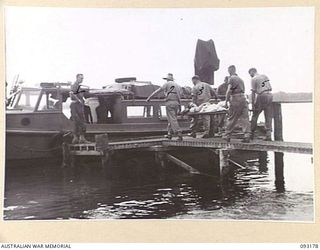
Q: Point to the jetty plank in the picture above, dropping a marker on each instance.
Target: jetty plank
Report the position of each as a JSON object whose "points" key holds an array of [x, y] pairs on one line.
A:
{"points": [[283, 97], [255, 145], [212, 143]]}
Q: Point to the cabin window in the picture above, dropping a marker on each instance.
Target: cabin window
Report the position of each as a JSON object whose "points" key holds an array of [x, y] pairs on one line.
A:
{"points": [[49, 101], [183, 107], [27, 100], [163, 111], [140, 111]]}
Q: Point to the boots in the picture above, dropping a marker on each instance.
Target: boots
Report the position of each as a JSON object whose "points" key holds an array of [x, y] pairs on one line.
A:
{"points": [[205, 135], [246, 139], [180, 138], [83, 140], [193, 134], [226, 138], [268, 138], [168, 136], [252, 136]]}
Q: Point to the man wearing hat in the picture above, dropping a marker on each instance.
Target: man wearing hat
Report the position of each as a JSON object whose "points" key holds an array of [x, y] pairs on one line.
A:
{"points": [[201, 93], [172, 94]]}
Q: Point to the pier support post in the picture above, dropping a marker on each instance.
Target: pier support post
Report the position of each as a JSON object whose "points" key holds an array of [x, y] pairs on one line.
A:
{"points": [[105, 159], [277, 114], [224, 163], [279, 177], [263, 161], [160, 158], [66, 159], [102, 145], [278, 157]]}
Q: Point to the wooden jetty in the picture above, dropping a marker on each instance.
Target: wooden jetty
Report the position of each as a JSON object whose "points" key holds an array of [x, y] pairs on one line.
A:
{"points": [[161, 146], [91, 148], [211, 143], [255, 145]]}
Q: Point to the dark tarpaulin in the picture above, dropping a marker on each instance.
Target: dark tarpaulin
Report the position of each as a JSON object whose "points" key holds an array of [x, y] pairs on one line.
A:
{"points": [[206, 61]]}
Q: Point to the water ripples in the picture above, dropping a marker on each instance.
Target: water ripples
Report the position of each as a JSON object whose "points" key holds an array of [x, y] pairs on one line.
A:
{"points": [[51, 193]]}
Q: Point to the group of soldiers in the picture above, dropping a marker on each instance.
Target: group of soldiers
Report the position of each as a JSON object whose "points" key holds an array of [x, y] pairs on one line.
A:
{"points": [[234, 90]]}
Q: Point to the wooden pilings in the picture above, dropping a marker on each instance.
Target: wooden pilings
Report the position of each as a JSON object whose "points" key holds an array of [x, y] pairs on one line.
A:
{"points": [[66, 160], [224, 163], [102, 145], [279, 177], [263, 161], [160, 158], [278, 136], [99, 148], [277, 114]]}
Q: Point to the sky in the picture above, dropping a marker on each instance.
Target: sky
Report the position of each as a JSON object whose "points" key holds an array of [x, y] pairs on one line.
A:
{"points": [[54, 44]]}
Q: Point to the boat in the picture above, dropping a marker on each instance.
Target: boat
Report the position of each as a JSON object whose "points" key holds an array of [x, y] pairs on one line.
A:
{"points": [[37, 119]]}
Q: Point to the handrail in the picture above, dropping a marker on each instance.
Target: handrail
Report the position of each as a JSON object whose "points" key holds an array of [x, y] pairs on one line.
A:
{"points": [[278, 97], [283, 97]]}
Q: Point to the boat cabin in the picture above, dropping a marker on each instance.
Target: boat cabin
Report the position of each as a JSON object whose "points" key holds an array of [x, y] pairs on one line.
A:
{"points": [[102, 106]]}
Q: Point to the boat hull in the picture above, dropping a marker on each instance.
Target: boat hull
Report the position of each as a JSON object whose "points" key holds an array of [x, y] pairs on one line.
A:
{"points": [[43, 137]]}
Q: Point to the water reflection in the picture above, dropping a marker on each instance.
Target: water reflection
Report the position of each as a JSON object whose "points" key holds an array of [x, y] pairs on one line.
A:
{"points": [[138, 191]]}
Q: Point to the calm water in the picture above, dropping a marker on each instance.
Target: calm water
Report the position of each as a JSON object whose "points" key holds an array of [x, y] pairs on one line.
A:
{"points": [[43, 190]]}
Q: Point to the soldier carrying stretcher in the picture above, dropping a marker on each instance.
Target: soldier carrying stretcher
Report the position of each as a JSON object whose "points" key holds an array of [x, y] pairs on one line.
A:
{"points": [[172, 93], [201, 93]]}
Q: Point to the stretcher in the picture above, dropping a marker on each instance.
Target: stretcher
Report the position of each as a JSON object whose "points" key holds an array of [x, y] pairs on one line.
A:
{"points": [[217, 119]]}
